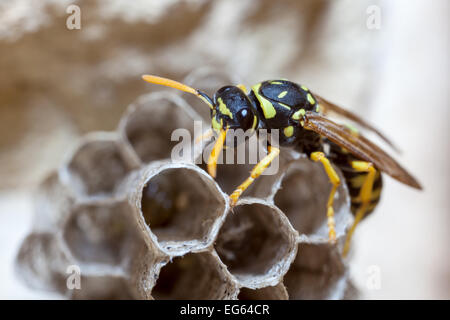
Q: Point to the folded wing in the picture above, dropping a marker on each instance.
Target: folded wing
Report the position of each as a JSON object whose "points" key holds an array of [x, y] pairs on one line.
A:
{"points": [[327, 106], [359, 146]]}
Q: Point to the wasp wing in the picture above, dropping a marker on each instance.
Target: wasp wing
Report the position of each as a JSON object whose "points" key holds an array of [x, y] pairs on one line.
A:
{"points": [[359, 146], [328, 106]]}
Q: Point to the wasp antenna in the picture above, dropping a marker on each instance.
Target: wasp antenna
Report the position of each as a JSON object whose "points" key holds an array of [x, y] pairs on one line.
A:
{"points": [[205, 99], [178, 85]]}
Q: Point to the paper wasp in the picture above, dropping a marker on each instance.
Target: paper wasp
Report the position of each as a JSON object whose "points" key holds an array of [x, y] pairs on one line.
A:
{"points": [[300, 115]]}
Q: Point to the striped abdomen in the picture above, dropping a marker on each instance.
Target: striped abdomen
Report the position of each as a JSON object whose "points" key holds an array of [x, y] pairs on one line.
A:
{"points": [[354, 181]]}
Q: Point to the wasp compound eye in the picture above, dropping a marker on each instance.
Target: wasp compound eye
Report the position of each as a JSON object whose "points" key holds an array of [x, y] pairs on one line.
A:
{"points": [[245, 118]]}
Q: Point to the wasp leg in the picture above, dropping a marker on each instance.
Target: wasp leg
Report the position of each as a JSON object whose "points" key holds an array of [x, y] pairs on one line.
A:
{"points": [[218, 146], [336, 181], [255, 173], [364, 197], [208, 134]]}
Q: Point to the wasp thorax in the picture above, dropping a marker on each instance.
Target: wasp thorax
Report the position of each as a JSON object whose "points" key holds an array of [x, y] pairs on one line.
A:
{"points": [[233, 110]]}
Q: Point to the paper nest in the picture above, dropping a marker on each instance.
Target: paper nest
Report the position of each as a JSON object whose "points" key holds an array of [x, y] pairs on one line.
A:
{"points": [[139, 226]]}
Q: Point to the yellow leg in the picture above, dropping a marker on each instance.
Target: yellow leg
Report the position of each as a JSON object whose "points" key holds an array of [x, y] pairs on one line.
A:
{"points": [[255, 173], [208, 134], [334, 179], [364, 197], [218, 146]]}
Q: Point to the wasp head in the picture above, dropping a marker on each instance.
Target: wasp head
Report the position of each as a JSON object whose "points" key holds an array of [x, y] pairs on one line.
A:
{"points": [[232, 110]]}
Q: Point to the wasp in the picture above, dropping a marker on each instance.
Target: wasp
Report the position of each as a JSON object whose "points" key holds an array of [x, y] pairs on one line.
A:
{"points": [[301, 118]]}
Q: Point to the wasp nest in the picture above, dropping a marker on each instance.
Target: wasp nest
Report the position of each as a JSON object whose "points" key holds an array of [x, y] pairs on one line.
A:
{"points": [[120, 220]]}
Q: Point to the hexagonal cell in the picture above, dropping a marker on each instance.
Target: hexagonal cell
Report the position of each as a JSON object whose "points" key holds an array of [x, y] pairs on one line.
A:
{"points": [[195, 276], [317, 273], [277, 292], [229, 176], [208, 80], [148, 124], [256, 243], [41, 262], [145, 271], [103, 287], [96, 166], [179, 207], [101, 233], [266, 186], [303, 197], [51, 204]]}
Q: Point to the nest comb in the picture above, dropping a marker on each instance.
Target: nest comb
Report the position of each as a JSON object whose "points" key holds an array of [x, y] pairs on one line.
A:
{"points": [[139, 226]]}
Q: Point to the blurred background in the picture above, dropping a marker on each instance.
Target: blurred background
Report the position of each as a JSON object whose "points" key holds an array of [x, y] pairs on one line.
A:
{"points": [[385, 60]]}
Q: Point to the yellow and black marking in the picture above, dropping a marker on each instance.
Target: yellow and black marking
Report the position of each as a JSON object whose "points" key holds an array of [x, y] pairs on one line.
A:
{"points": [[281, 105], [355, 177], [367, 198], [364, 183], [297, 113]]}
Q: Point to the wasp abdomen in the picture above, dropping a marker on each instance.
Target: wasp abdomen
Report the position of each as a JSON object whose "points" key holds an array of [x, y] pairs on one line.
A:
{"points": [[355, 181]]}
